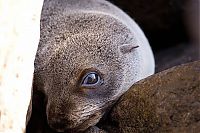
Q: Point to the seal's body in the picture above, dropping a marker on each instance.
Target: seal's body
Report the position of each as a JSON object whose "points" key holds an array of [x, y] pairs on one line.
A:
{"points": [[89, 54]]}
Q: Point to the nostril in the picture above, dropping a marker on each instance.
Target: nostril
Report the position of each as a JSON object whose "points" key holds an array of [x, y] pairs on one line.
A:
{"points": [[58, 126], [62, 124]]}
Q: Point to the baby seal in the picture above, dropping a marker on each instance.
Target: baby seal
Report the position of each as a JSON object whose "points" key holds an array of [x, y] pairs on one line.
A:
{"points": [[90, 53]]}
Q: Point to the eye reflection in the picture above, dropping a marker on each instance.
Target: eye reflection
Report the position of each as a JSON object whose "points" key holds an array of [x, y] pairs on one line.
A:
{"points": [[91, 79]]}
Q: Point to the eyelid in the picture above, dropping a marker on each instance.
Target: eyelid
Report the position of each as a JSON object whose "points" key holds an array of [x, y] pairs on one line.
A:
{"points": [[88, 70]]}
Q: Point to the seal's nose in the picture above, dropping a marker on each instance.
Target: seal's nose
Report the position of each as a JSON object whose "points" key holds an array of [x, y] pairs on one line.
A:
{"points": [[60, 120], [62, 124], [58, 126]]}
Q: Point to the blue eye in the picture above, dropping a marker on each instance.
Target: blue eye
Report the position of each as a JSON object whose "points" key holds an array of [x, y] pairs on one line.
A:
{"points": [[91, 79]]}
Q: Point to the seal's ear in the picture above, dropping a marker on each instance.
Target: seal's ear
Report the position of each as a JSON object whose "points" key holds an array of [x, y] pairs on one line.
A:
{"points": [[127, 48]]}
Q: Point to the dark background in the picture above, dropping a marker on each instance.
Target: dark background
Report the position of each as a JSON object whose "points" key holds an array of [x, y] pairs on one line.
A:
{"points": [[171, 26]]}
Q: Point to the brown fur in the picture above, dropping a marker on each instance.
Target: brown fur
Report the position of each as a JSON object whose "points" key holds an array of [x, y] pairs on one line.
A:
{"points": [[79, 36]]}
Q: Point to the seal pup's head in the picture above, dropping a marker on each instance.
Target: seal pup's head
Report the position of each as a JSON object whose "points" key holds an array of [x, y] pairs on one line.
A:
{"points": [[85, 62]]}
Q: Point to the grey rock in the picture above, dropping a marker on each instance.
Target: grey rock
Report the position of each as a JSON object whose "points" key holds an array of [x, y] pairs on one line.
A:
{"points": [[168, 101]]}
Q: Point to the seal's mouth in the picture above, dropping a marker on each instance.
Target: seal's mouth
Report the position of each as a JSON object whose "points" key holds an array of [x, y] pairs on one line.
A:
{"points": [[69, 126], [93, 120], [78, 121]]}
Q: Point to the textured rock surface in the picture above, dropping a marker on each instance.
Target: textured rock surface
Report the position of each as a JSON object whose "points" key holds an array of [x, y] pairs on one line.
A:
{"points": [[165, 102], [19, 37]]}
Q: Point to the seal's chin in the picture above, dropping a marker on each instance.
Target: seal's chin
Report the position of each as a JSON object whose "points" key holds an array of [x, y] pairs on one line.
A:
{"points": [[92, 121], [69, 126]]}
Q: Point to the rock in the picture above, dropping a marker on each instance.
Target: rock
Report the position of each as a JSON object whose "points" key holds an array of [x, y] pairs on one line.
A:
{"points": [[19, 38], [165, 102]]}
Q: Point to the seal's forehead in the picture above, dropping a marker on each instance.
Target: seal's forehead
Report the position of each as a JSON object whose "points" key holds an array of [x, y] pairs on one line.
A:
{"points": [[81, 50], [58, 27], [85, 35], [99, 47]]}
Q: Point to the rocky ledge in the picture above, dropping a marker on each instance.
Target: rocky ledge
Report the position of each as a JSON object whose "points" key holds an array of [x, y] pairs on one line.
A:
{"points": [[168, 101]]}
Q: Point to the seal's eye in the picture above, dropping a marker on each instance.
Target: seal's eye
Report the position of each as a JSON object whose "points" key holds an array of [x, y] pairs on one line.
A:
{"points": [[91, 79]]}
